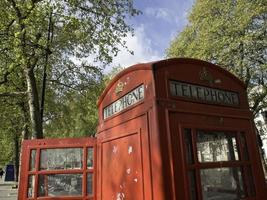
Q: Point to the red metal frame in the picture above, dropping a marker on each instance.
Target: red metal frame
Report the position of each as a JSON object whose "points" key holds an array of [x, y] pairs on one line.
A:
{"points": [[38, 145]]}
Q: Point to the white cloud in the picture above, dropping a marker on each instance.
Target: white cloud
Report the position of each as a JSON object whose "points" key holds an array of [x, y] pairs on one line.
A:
{"points": [[168, 15], [141, 45], [160, 13]]}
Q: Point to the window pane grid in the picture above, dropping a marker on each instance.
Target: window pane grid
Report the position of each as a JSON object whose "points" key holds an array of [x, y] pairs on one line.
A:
{"points": [[222, 183], [230, 155], [216, 146], [32, 160], [61, 178]]}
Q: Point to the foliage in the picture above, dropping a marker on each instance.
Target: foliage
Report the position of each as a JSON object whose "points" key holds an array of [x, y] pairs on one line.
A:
{"points": [[75, 114], [231, 34], [62, 36], [11, 125]]}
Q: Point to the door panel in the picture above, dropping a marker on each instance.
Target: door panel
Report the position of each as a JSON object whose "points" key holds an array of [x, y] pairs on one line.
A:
{"points": [[122, 171]]}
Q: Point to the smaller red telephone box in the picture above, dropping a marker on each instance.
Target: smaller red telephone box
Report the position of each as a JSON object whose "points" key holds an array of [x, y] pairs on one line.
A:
{"points": [[172, 129]]}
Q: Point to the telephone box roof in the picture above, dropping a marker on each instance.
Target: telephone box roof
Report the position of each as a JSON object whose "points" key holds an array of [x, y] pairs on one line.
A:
{"points": [[165, 63]]}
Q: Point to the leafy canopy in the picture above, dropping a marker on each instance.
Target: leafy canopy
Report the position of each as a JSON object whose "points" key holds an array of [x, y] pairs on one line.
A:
{"points": [[231, 34]]}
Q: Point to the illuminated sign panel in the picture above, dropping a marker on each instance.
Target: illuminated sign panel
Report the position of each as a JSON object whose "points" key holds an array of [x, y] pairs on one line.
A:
{"points": [[202, 93], [125, 101]]}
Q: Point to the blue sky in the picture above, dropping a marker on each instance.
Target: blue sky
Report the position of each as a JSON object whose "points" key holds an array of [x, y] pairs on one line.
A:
{"points": [[159, 23]]}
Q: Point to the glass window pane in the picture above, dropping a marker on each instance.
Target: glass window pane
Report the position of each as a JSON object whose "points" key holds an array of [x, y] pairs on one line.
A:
{"points": [[90, 157], [215, 146], [55, 185], [222, 184], [32, 160], [68, 158], [188, 145], [192, 185], [31, 186], [90, 184]]}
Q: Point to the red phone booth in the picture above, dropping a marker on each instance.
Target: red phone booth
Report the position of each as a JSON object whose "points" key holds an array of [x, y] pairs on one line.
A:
{"points": [[175, 129]]}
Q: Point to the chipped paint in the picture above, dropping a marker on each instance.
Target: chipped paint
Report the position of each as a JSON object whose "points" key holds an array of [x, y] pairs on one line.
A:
{"points": [[115, 149], [120, 196], [128, 170], [135, 180], [130, 149]]}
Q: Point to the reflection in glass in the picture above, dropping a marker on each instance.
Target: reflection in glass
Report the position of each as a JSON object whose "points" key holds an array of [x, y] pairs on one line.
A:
{"points": [[90, 157], [55, 185], [192, 185], [222, 184], [68, 158], [31, 185], [188, 145], [89, 184], [32, 160], [214, 146]]}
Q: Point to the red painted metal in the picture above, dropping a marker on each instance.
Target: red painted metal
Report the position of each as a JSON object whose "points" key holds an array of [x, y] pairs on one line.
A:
{"points": [[161, 118], [141, 147], [44, 144]]}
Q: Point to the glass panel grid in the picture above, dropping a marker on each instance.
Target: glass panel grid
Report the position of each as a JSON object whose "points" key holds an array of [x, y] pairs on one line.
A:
{"points": [[31, 186], [64, 158], [90, 158], [90, 184], [222, 184], [55, 185], [32, 159], [217, 182], [216, 146]]}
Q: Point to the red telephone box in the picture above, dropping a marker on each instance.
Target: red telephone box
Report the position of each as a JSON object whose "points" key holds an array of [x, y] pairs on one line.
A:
{"points": [[173, 129]]}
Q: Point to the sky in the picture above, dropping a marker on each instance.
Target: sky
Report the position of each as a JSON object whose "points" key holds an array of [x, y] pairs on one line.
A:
{"points": [[159, 23]]}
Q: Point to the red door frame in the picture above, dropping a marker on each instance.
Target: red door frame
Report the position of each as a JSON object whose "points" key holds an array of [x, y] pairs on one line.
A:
{"points": [[38, 145], [253, 186]]}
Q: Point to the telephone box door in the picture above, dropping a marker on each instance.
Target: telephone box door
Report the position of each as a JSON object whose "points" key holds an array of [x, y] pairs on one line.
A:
{"points": [[219, 157], [58, 169]]}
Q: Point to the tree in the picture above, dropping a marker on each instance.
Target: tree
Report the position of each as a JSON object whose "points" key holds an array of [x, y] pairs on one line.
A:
{"points": [[13, 128], [231, 34], [66, 31], [75, 113]]}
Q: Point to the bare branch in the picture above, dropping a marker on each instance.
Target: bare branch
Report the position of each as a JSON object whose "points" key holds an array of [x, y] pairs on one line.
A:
{"points": [[63, 84], [258, 101]]}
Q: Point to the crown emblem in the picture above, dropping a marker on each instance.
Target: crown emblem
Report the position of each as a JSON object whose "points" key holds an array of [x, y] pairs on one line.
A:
{"points": [[206, 76], [119, 88]]}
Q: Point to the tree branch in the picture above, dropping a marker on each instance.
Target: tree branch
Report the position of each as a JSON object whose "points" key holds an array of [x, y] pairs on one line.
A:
{"points": [[12, 94], [258, 101], [63, 84], [18, 13]]}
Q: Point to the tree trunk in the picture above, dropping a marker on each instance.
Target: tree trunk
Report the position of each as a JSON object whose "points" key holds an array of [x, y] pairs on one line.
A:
{"points": [[33, 100]]}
